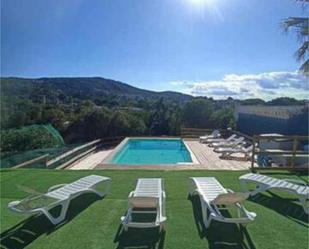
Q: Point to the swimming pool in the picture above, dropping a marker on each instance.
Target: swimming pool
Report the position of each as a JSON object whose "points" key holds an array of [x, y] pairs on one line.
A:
{"points": [[151, 151]]}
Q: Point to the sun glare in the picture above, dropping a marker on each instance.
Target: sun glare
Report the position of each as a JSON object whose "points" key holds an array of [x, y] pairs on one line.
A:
{"points": [[202, 2]]}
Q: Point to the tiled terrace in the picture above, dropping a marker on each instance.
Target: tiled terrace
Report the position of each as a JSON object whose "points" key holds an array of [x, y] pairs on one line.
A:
{"points": [[211, 160]]}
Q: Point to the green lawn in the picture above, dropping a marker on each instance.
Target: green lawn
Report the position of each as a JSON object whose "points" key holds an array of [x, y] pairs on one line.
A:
{"points": [[94, 223]]}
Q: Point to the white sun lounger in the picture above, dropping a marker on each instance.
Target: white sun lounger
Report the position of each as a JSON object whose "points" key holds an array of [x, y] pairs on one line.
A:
{"points": [[60, 195], [265, 183], [214, 134], [232, 143], [147, 198], [218, 140], [214, 198], [228, 151]]}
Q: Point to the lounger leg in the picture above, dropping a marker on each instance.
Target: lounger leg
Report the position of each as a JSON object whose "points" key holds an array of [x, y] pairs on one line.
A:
{"points": [[244, 186], [225, 155], [190, 188], [101, 194], [64, 208], [259, 188], [243, 224], [206, 219], [106, 188], [303, 201]]}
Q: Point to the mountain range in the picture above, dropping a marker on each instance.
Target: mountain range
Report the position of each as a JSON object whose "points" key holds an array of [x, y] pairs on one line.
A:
{"points": [[82, 88], [103, 91]]}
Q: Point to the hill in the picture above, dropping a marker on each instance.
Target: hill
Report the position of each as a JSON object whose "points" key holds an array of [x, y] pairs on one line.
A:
{"points": [[80, 88]]}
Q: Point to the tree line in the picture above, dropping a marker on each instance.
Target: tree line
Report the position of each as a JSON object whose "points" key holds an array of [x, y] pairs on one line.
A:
{"points": [[87, 121]]}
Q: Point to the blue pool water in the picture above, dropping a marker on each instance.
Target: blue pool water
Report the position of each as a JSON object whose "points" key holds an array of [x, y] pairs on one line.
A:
{"points": [[152, 151]]}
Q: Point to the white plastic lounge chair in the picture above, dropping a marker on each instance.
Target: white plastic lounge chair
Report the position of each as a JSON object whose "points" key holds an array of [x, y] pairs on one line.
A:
{"points": [[60, 195], [229, 151], [214, 198], [148, 199], [218, 140], [265, 183], [214, 134], [232, 143]]}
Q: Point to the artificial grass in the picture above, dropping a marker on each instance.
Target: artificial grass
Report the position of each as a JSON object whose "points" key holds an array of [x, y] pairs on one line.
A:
{"points": [[95, 223]]}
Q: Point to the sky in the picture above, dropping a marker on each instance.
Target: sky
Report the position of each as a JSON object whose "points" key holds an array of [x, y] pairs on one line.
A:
{"points": [[215, 48]]}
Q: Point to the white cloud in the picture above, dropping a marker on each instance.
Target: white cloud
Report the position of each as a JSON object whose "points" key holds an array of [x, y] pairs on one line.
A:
{"points": [[264, 85]]}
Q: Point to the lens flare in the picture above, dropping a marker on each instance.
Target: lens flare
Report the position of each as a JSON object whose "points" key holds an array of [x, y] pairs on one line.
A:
{"points": [[202, 2]]}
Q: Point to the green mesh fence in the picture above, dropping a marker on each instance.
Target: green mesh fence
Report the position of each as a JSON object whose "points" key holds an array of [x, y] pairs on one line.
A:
{"points": [[29, 138], [11, 159], [54, 133], [29, 142]]}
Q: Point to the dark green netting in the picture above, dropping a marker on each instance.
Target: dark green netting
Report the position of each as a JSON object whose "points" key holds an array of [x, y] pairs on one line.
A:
{"points": [[11, 159], [29, 142]]}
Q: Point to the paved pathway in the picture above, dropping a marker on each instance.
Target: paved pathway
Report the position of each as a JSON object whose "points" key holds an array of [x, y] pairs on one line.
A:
{"points": [[91, 161]]}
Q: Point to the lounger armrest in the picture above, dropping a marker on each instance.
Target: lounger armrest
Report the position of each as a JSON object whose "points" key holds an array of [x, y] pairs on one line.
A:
{"points": [[296, 181], [12, 205], [229, 190], [230, 198], [56, 186], [131, 194]]}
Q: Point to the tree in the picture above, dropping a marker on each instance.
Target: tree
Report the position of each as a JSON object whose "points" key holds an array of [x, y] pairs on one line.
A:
{"points": [[89, 125], [175, 123], [223, 119], [17, 119], [119, 125], [159, 119], [35, 114], [54, 116], [286, 101], [85, 108], [196, 113], [300, 25], [96, 124], [252, 102], [28, 138], [137, 125]]}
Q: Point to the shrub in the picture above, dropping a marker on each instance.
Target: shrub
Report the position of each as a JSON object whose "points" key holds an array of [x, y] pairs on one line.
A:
{"points": [[29, 138]]}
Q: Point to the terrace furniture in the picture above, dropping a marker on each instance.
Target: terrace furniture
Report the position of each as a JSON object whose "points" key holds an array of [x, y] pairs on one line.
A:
{"points": [[147, 200], [60, 195], [215, 199], [218, 140], [229, 151], [213, 135], [265, 183], [232, 143]]}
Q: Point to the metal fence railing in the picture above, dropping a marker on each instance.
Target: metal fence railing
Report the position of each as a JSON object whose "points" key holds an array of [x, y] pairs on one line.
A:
{"points": [[64, 157], [193, 132], [291, 156]]}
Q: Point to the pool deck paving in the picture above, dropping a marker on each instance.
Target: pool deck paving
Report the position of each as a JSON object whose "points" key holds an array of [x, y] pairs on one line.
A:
{"points": [[211, 160], [208, 159], [91, 161]]}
